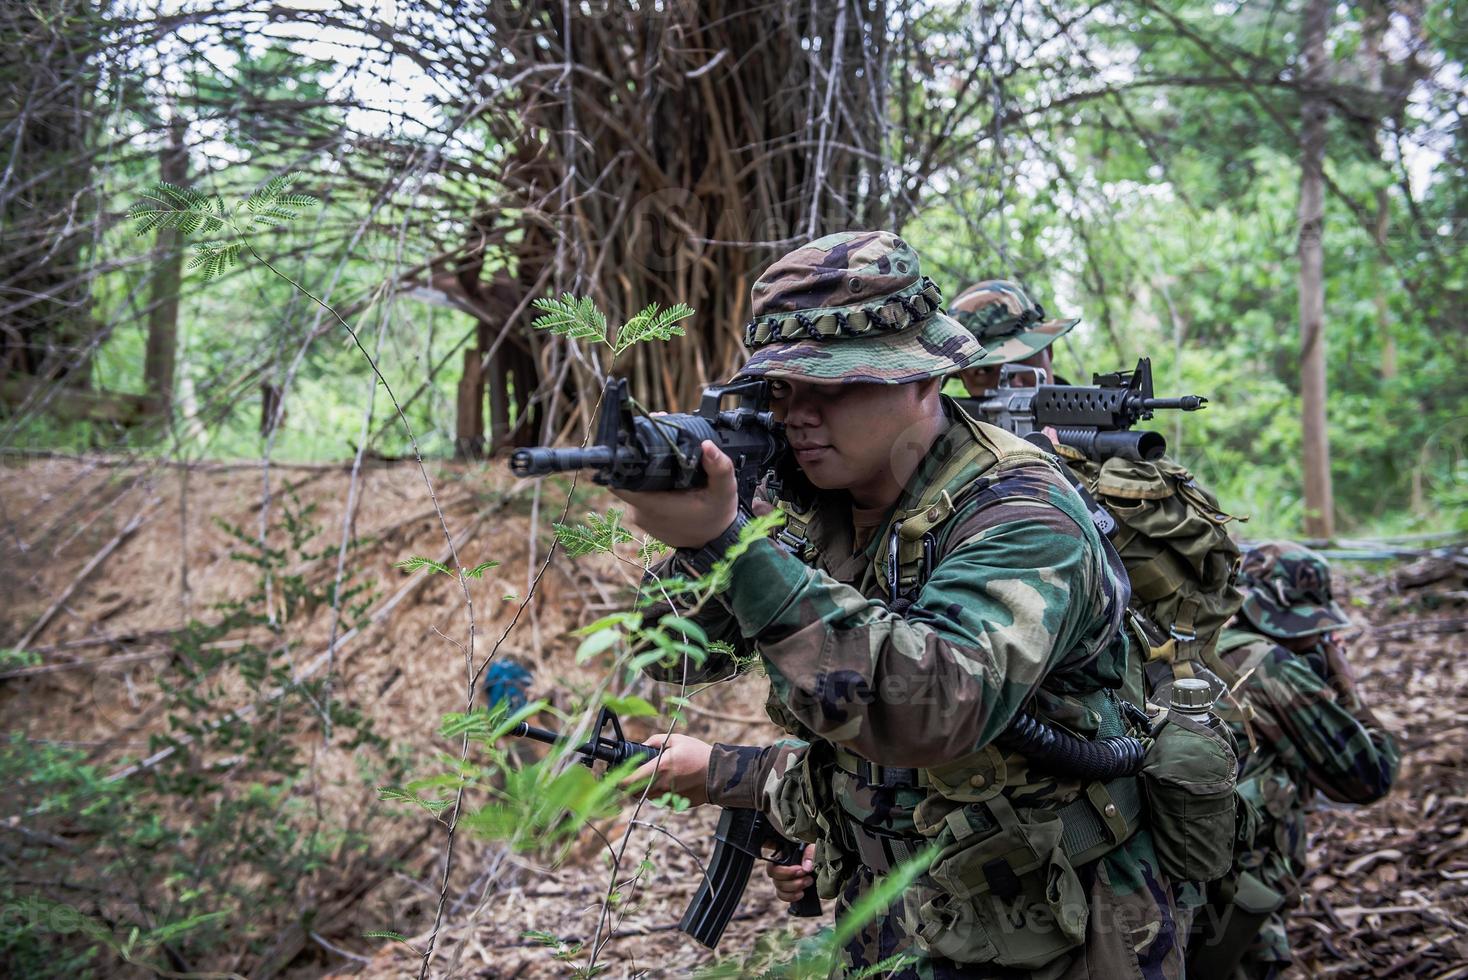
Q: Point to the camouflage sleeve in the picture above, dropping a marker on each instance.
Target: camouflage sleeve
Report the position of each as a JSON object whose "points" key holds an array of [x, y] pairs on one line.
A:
{"points": [[746, 776], [715, 618], [1344, 753], [1021, 587]]}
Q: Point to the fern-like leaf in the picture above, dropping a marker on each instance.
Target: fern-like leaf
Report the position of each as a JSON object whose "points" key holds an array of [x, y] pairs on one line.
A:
{"points": [[650, 550], [213, 259], [597, 534], [652, 324], [171, 206], [417, 562], [389, 794], [576, 539], [571, 317], [272, 205], [478, 570], [272, 190]]}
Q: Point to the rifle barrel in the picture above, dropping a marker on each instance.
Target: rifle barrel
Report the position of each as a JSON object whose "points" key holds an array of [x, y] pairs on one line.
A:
{"points": [[546, 459], [1184, 403], [524, 730]]}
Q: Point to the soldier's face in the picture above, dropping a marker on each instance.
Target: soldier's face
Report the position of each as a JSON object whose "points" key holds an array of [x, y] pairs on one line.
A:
{"points": [[982, 379], [853, 436]]}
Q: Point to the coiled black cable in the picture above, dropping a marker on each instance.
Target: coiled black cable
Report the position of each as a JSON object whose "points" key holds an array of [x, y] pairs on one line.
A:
{"points": [[1060, 751]]}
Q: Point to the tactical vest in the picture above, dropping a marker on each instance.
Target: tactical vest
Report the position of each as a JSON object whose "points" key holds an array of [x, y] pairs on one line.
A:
{"points": [[994, 861]]}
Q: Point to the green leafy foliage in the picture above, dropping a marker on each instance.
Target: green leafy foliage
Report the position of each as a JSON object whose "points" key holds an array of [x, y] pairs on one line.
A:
{"points": [[433, 806], [187, 210], [396, 937], [272, 205], [598, 535], [180, 208], [567, 952], [651, 550], [213, 259], [631, 706], [14, 658], [416, 563], [579, 319], [220, 827], [652, 324], [787, 957]]}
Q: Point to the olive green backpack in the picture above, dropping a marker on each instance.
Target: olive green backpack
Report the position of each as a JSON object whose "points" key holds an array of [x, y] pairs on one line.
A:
{"points": [[1173, 539]]}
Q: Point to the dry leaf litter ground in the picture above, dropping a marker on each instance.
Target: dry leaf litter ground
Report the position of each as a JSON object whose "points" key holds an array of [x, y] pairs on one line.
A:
{"points": [[1388, 895]]}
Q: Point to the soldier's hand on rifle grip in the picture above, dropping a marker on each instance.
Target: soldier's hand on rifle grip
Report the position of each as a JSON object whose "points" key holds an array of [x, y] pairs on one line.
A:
{"points": [[688, 518], [681, 768], [792, 881], [1338, 671]]}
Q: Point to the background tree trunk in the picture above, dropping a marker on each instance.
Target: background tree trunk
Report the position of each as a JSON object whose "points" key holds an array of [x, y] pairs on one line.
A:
{"points": [[48, 78], [1319, 503], [161, 354], [659, 163]]}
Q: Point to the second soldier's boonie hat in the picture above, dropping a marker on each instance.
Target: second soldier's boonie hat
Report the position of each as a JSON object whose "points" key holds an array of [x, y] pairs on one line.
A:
{"points": [[1287, 591], [853, 307], [1009, 324]]}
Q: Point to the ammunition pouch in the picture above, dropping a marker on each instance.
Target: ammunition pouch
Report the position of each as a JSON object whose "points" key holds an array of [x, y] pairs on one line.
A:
{"points": [[1001, 887], [1190, 776], [809, 813]]}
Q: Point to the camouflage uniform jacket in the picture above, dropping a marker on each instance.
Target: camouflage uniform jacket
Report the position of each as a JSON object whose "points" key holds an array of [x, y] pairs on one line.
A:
{"points": [[1013, 612], [1308, 737]]}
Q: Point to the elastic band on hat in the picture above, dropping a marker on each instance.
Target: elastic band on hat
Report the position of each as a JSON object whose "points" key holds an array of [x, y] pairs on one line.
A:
{"points": [[910, 307]]}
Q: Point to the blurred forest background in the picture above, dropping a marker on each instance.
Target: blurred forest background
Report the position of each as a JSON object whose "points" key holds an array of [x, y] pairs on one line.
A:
{"points": [[1137, 164], [1266, 197]]}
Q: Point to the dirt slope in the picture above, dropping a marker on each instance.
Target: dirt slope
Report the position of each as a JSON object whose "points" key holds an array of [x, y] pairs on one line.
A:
{"points": [[1389, 896]]}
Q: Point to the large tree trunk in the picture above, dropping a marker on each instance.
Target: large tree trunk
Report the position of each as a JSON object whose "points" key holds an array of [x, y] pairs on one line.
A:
{"points": [[665, 154], [1319, 502], [1373, 34], [159, 359], [48, 51]]}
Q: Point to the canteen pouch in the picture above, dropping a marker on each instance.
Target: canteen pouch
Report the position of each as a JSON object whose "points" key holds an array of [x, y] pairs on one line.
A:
{"points": [[808, 813], [1190, 774], [999, 890]]}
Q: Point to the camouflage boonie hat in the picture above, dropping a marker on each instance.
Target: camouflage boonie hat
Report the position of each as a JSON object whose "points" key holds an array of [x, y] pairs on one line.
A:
{"points": [[853, 307], [1287, 591], [1009, 324]]}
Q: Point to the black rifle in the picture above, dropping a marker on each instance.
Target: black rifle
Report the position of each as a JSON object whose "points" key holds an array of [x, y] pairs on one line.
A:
{"points": [[743, 835], [1096, 419], [637, 451]]}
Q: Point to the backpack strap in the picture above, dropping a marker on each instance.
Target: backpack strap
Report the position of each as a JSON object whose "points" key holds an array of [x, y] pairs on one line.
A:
{"points": [[794, 535], [905, 557], [1261, 646], [913, 535]]}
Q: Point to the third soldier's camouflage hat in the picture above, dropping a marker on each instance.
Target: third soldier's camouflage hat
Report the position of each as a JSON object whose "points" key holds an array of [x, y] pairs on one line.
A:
{"points": [[1287, 591], [1009, 324], [853, 307]]}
